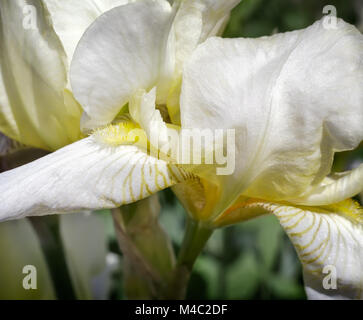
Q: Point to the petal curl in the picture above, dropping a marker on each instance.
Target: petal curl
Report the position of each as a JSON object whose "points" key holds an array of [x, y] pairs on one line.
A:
{"points": [[344, 186], [214, 13]]}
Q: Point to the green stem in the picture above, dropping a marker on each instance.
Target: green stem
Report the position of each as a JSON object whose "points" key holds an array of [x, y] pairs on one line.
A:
{"points": [[196, 236], [47, 229]]}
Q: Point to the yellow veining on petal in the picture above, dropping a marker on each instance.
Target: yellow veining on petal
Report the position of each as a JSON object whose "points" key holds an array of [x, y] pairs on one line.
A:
{"points": [[312, 239], [295, 223], [142, 173], [301, 233], [289, 217], [325, 235]]}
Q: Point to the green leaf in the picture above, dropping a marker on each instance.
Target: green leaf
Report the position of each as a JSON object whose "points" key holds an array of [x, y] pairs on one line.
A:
{"points": [[242, 277], [269, 241], [285, 288], [208, 268], [19, 247]]}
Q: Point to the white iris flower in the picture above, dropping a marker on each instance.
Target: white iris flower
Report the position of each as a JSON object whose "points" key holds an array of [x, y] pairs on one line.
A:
{"points": [[293, 99]]}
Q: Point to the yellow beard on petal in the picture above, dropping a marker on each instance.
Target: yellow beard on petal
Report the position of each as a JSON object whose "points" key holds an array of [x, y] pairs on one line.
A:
{"points": [[349, 208], [125, 132]]}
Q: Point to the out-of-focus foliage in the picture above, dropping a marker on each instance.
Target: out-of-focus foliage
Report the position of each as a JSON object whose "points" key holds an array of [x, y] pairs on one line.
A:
{"points": [[85, 247], [253, 260], [255, 18], [68, 253], [20, 247]]}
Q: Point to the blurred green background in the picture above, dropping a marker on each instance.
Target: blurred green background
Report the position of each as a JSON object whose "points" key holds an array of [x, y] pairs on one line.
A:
{"points": [[253, 260], [255, 18]]}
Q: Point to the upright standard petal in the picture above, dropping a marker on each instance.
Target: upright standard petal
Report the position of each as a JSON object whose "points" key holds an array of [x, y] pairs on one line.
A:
{"points": [[87, 175], [293, 99], [35, 109], [214, 15], [122, 51], [143, 110], [71, 18], [194, 22]]}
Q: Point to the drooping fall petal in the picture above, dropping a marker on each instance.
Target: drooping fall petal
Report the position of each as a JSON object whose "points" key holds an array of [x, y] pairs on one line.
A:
{"points": [[328, 240], [87, 175]]}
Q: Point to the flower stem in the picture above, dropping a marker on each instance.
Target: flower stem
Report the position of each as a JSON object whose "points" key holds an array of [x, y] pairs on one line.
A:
{"points": [[195, 238]]}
